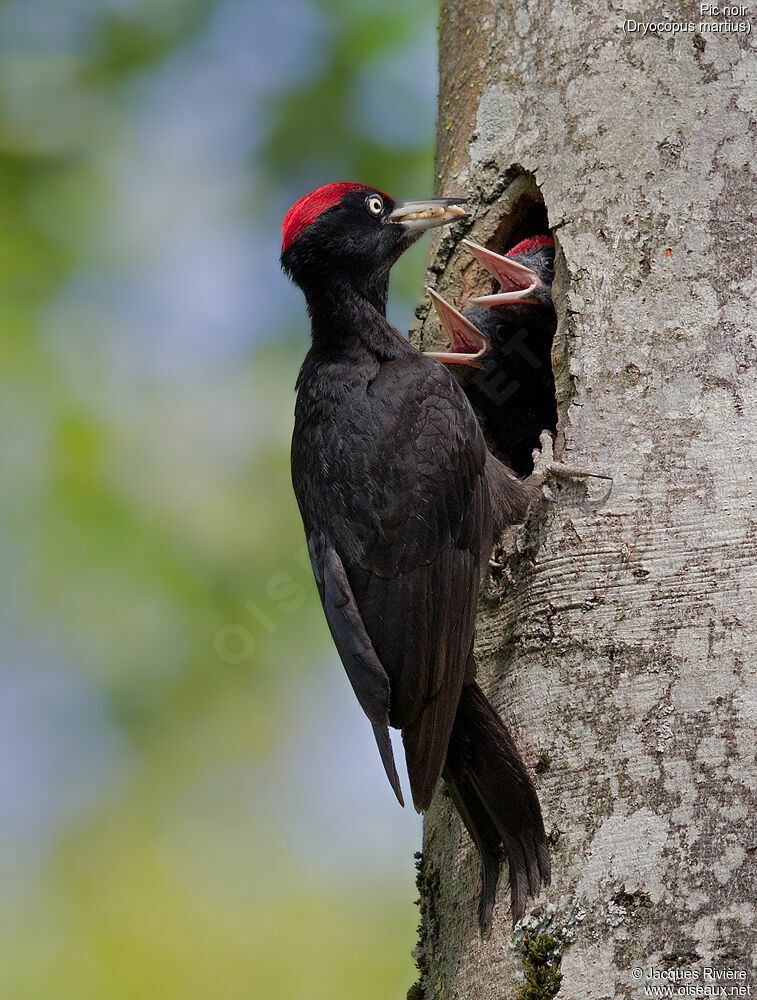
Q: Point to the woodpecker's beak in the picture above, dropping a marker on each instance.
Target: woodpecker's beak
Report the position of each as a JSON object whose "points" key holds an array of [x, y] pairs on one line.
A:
{"points": [[517, 281], [467, 343], [417, 216]]}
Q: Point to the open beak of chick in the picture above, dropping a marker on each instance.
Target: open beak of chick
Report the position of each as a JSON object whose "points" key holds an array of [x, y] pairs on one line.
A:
{"points": [[468, 344]]}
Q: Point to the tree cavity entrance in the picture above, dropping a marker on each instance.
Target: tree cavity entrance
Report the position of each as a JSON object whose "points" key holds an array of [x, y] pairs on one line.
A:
{"points": [[513, 392]]}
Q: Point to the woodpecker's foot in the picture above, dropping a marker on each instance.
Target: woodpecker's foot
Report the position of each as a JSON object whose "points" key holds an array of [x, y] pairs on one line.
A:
{"points": [[545, 467]]}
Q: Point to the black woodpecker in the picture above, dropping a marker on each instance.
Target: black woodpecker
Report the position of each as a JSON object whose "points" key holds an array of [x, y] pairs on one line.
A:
{"points": [[400, 498]]}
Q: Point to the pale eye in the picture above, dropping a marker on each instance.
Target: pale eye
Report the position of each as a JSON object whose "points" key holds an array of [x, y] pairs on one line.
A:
{"points": [[375, 204]]}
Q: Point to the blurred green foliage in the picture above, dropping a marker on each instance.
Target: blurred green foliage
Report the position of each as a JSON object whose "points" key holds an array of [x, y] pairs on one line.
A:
{"points": [[162, 640]]}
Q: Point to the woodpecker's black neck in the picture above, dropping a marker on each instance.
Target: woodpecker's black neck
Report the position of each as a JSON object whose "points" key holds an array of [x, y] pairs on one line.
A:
{"points": [[345, 313]]}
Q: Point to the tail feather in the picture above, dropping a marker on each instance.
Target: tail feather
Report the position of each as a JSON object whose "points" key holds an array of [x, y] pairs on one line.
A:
{"points": [[497, 801], [489, 843]]}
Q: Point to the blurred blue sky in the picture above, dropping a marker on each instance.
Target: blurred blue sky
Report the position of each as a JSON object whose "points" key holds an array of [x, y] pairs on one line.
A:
{"points": [[150, 497], [181, 268]]}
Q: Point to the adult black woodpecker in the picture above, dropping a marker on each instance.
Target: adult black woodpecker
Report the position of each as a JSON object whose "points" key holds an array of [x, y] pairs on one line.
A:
{"points": [[399, 498], [501, 348]]}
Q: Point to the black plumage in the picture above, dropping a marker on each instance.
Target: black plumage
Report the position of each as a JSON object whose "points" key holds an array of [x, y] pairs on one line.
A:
{"points": [[399, 498]]}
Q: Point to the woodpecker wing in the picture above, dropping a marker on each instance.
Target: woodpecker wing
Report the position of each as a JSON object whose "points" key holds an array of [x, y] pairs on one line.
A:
{"points": [[366, 675], [404, 503]]}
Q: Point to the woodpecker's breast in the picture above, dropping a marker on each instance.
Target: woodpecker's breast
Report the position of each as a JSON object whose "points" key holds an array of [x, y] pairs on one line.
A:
{"points": [[372, 439]]}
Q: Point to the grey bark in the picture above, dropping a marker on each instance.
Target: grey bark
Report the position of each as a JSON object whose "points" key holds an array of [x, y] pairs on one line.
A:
{"points": [[620, 643]]}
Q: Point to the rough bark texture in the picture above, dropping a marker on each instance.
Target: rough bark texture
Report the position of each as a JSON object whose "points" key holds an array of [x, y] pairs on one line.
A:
{"points": [[619, 644]]}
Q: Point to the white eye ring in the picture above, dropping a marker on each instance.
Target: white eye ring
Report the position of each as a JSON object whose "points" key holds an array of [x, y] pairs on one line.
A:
{"points": [[374, 204]]}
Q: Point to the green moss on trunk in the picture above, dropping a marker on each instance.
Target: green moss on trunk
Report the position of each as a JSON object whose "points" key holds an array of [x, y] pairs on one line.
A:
{"points": [[542, 956]]}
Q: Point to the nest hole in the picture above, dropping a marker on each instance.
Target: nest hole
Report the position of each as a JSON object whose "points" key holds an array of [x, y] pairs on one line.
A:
{"points": [[514, 392]]}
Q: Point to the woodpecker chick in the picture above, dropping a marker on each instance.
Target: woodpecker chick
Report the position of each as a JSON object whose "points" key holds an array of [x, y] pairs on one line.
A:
{"points": [[400, 499], [501, 347]]}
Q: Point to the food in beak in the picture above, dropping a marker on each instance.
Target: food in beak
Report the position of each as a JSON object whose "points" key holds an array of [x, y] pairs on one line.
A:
{"points": [[435, 212], [420, 215]]}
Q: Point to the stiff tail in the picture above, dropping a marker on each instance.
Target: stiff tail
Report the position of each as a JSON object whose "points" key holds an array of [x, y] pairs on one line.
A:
{"points": [[497, 802]]}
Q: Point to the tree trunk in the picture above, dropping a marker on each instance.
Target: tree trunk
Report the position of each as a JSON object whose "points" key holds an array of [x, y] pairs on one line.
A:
{"points": [[619, 643]]}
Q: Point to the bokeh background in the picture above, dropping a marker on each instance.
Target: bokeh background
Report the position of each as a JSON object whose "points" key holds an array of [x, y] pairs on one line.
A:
{"points": [[191, 804]]}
